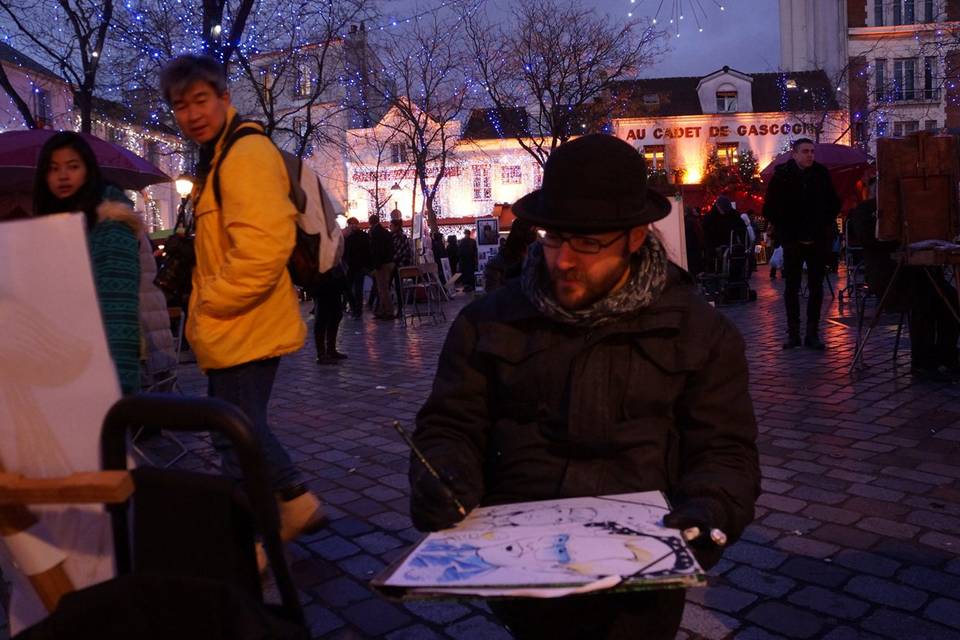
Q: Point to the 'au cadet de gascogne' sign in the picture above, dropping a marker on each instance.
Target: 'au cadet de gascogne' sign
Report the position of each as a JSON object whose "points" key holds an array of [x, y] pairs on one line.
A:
{"points": [[743, 130]]}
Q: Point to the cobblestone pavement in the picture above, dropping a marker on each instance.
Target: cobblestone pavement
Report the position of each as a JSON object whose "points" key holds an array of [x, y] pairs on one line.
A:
{"points": [[856, 535]]}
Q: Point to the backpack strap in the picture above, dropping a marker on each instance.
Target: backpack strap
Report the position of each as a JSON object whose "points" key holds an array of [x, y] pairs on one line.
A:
{"points": [[235, 131]]}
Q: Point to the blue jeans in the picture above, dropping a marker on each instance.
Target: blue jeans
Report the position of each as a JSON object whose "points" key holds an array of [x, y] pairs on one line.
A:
{"points": [[247, 386]]}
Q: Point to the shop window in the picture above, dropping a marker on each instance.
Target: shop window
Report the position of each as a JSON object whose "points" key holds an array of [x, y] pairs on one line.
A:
{"points": [[726, 101], [729, 153], [655, 156], [481, 182]]}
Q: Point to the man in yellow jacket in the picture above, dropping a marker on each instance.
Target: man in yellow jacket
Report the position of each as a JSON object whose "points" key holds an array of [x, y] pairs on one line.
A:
{"points": [[244, 313]]}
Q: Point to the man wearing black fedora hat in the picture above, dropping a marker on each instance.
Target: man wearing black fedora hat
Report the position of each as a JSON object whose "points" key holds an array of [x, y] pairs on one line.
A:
{"points": [[601, 371]]}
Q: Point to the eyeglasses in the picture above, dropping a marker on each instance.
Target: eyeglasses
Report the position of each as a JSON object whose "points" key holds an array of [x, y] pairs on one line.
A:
{"points": [[580, 244]]}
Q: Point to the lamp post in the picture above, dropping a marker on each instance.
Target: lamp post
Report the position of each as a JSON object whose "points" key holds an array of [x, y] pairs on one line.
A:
{"points": [[184, 186]]}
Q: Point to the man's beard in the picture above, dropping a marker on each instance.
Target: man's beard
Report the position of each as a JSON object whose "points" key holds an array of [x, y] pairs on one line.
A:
{"points": [[595, 291]]}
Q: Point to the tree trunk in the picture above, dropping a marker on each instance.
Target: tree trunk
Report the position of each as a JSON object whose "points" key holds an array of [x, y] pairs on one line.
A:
{"points": [[22, 106]]}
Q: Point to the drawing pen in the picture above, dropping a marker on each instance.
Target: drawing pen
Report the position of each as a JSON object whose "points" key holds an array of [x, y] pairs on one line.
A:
{"points": [[426, 463]]}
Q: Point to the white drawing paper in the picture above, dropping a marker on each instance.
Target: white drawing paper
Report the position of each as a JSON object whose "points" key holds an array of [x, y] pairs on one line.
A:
{"points": [[553, 543]]}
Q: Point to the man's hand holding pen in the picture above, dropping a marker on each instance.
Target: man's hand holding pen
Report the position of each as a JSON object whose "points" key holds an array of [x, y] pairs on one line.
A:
{"points": [[438, 505]]}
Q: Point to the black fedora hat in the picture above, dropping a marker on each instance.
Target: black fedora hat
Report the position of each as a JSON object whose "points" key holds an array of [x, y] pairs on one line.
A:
{"points": [[593, 184]]}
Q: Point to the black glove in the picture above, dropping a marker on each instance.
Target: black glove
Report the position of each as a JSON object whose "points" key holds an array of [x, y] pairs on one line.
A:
{"points": [[432, 502], [708, 515]]}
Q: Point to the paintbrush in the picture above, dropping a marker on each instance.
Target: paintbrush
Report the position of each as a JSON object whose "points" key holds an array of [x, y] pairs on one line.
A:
{"points": [[430, 468]]}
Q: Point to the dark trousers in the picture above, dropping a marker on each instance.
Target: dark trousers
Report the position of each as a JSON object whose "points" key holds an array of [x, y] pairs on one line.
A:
{"points": [[355, 281], [247, 386], [933, 329], [329, 312], [794, 255]]}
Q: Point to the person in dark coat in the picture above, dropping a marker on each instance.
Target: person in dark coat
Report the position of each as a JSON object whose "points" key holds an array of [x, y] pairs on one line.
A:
{"points": [[721, 226], [600, 371], [469, 261], [439, 253], [453, 254], [381, 257], [803, 205], [356, 256], [693, 231], [507, 264]]}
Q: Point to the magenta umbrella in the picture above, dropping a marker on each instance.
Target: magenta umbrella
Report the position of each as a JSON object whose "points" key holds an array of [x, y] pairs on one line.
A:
{"points": [[20, 150]]}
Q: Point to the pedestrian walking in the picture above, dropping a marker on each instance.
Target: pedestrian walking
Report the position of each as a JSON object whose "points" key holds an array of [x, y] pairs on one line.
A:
{"points": [[803, 205], [356, 257], [453, 254], [244, 312], [381, 256], [601, 371]]}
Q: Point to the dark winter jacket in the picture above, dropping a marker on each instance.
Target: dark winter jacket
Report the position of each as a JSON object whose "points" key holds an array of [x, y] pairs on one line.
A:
{"points": [[356, 250], [468, 256], [802, 204], [381, 246], [525, 408]]}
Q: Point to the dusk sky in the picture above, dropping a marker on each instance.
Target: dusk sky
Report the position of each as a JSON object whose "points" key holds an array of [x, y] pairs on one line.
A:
{"points": [[744, 36]]}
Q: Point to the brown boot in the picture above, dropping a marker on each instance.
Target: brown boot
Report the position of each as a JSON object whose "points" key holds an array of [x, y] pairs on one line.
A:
{"points": [[301, 515]]}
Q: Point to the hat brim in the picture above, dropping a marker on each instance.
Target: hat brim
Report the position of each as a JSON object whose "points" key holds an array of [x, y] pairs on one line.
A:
{"points": [[579, 216]]}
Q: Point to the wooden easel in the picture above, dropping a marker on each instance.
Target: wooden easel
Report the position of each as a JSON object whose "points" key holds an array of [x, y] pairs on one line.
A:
{"points": [[16, 492]]}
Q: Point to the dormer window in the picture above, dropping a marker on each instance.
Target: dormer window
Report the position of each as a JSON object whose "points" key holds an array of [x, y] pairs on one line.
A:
{"points": [[651, 99], [726, 101]]}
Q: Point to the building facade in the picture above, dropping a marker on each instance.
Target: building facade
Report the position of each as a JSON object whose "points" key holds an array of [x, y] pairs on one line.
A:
{"points": [[676, 123], [902, 67]]}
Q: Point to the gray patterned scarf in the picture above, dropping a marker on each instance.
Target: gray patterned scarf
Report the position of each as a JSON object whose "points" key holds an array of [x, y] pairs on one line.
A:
{"points": [[648, 276]]}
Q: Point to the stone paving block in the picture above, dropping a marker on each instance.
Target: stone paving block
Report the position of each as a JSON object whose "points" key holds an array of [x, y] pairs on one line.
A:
{"points": [[708, 624], [437, 612], [831, 514], [807, 546], [935, 521], [786, 620], [760, 534], [851, 476], [362, 567], [829, 602], [363, 507], [769, 486], [908, 552], [756, 633], [845, 536], [415, 632], [478, 628], [886, 592], [898, 625], [722, 598], [875, 493], [342, 591], [333, 548], [870, 507], [945, 611], [787, 522], [781, 503], [888, 528], [762, 582], [941, 541], [376, 617], [815, 571], [848, 633], [321, 620], [811, 494], [378, 542], [350, 526], [755, 555], [946, 584]]}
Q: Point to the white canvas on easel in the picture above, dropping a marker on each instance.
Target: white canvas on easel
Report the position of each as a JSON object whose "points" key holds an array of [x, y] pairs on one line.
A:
{"points": [[672, 233], [57, 382]]}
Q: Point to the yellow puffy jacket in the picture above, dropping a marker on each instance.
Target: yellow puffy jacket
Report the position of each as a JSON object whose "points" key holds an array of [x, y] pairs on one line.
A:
{"points": [[243, 306]]}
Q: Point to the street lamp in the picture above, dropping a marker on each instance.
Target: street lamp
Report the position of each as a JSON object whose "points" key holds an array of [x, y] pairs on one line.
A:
{"points": [[184, 186]]}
